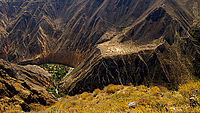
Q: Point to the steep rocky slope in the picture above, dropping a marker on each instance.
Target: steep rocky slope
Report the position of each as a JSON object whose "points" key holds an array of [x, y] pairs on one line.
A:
{"points": [[107, 41], [23, 88]]}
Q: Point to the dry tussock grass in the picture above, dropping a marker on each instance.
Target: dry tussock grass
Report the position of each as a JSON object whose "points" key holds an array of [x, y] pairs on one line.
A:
{"points": [[115, 98]]}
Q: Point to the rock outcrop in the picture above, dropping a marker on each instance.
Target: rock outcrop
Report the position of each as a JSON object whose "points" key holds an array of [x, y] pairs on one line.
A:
{"points": [[107, 41], [23, 88]]}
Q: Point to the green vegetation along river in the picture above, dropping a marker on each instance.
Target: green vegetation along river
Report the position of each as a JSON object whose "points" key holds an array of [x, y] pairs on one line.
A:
{"points": [[58, 72]]}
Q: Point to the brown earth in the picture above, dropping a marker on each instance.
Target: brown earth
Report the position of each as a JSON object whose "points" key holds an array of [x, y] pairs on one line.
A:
{"points": [[23, 88], [107, 41]]}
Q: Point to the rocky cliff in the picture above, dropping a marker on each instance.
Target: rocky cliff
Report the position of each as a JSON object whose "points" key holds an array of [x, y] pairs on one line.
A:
{"points": [[23, 88], [107, 41]]}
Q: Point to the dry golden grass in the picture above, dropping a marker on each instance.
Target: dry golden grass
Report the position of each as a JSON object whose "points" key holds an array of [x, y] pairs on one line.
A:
{"points": [[115, 98]]}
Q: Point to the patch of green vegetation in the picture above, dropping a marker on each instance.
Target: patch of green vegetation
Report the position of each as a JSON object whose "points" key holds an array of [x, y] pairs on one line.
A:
{"points": [[58, 71], [53, 109]]}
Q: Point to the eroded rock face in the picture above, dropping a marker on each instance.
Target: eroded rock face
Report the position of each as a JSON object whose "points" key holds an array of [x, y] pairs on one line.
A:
{"points": [[23, 88], [107, 41]]}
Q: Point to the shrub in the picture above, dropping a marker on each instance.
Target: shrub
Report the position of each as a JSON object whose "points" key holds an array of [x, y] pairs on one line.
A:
{"points": [[95, 92], [110, 89], [115, 98], [155, 90], [84, 95], [189, 89]]}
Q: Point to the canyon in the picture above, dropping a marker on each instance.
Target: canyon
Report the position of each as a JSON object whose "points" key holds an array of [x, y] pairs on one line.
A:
{"points": [[122, 42]]}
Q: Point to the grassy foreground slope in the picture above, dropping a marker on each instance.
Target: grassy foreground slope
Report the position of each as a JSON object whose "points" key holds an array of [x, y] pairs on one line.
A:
{"points": [[115, 98]]}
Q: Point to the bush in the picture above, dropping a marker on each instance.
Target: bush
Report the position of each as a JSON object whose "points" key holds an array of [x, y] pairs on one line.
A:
{"points": [[112, 88], [115, 98], [189, 89]]}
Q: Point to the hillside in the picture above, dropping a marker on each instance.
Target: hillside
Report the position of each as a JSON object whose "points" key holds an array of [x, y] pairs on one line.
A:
{"points": [[121, 42], [23, 88], [106, 41], [118, 99]]}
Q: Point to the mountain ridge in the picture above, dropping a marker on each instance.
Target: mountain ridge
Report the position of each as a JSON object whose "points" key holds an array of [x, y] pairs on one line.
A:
{"points": [[118, 41]]}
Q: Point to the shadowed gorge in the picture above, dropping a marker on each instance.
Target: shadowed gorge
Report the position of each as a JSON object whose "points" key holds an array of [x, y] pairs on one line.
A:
{"points": [[148, 42]]}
